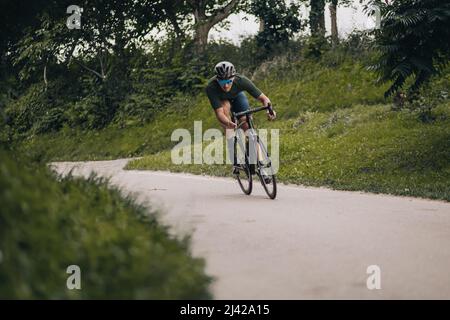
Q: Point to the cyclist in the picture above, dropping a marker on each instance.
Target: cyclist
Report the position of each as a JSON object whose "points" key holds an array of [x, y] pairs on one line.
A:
{"points": [[225, 92]]}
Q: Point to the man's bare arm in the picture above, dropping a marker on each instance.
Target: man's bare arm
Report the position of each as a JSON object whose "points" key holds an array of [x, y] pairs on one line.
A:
{"points": [[264, 99], [223, 119]]}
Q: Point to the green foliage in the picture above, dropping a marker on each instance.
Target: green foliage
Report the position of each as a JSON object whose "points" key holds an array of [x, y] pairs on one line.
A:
{"points": [[95, 62], [37, 49], [48, 223], [25, 113], [430, 96], [114, 142], [357, 46], [280, 23], [39, 110], [316, 46], [5, 131], [137, 84], [52, 120], [88, 113], [413, 41]]}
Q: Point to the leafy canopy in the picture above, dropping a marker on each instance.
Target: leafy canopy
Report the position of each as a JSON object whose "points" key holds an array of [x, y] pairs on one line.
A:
{"points": [[413, 41]]}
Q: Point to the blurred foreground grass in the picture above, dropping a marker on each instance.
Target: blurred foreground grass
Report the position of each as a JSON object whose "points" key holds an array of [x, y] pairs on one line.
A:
{"points": [[48, 223]]}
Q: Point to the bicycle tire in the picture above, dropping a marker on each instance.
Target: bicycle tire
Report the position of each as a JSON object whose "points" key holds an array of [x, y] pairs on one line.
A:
{"points": [[247, 183], [269, 188]]}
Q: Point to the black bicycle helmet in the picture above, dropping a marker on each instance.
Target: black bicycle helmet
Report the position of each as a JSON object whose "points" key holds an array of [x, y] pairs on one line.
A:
{"points": [[225, 70]]}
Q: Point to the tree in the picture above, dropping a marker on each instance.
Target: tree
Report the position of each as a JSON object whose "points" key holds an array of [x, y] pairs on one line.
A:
{"points": [[333, 17], [108, 28], [412, 42], [279, 22], [333, 6], [208, 13], [317, 18]]}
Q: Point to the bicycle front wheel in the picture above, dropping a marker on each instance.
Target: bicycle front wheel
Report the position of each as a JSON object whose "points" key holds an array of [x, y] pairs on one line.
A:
{"points": [[266, 172]]}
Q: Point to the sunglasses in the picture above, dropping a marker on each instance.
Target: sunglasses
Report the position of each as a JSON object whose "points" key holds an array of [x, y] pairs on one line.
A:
{"points": [[225, 82]]}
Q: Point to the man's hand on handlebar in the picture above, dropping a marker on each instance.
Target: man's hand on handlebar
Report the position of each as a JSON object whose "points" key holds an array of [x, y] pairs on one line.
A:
{"points": [[231, 125], [271, 114]]}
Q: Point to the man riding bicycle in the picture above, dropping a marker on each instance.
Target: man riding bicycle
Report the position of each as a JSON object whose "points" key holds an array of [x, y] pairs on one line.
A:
{"points": [[225, 92]]}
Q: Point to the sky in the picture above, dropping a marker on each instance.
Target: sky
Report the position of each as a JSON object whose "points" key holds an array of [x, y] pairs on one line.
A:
{"points": [[349, 19]]}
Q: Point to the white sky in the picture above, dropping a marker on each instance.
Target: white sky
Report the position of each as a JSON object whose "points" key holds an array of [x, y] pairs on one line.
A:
{"points": [[349, 19]]}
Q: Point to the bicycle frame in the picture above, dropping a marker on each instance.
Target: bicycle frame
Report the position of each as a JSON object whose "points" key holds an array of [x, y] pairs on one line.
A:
{"points": [[252, 135]]}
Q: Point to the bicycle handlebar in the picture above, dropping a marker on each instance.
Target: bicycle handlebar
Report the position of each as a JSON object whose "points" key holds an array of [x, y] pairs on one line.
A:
{"points": [[250, 111]]}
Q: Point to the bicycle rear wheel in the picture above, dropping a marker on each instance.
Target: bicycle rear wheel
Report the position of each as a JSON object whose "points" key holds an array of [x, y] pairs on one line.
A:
{"points": [[266, 172]]}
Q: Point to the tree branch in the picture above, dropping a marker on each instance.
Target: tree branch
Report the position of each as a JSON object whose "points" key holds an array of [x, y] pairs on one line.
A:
{"points": [[101, 66], [72, 50], [88, 69], [223, 13], [45, 76], [198, 9], [176, 27]]}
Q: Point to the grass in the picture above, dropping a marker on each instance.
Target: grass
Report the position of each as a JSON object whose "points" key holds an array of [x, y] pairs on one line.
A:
{"points": [[114, 142], [48, 223], [368, 148]]}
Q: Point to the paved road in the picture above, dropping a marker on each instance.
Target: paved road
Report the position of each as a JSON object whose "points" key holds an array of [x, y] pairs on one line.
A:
{"points": [[310, 243]]}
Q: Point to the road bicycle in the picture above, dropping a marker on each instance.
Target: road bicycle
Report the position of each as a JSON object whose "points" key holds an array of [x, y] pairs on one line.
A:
{"points": [[251, 156]]}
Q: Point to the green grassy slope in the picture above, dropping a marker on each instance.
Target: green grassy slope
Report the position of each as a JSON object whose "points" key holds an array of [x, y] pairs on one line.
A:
{"points": [[48, 223], [362, 148]]}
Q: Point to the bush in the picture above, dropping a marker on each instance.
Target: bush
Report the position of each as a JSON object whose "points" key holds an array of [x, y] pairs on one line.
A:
{"points": [[123, 252], [23, 113], [52, 120], [430, 96], [90, 112]]}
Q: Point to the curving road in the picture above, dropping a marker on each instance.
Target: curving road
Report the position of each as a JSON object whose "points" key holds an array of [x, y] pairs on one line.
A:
{"points": [[310, 243]]}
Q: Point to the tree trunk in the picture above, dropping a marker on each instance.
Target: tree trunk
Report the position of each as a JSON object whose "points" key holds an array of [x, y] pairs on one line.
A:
{"points": [[261, 25], [201, 35], [317, 18], [71, 51], [201, 28], [334, 27], [102, 69], [204, 23]]}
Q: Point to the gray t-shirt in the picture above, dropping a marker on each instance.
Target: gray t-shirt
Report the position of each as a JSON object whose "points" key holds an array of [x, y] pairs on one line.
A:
{"points": [[241, 83]]}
